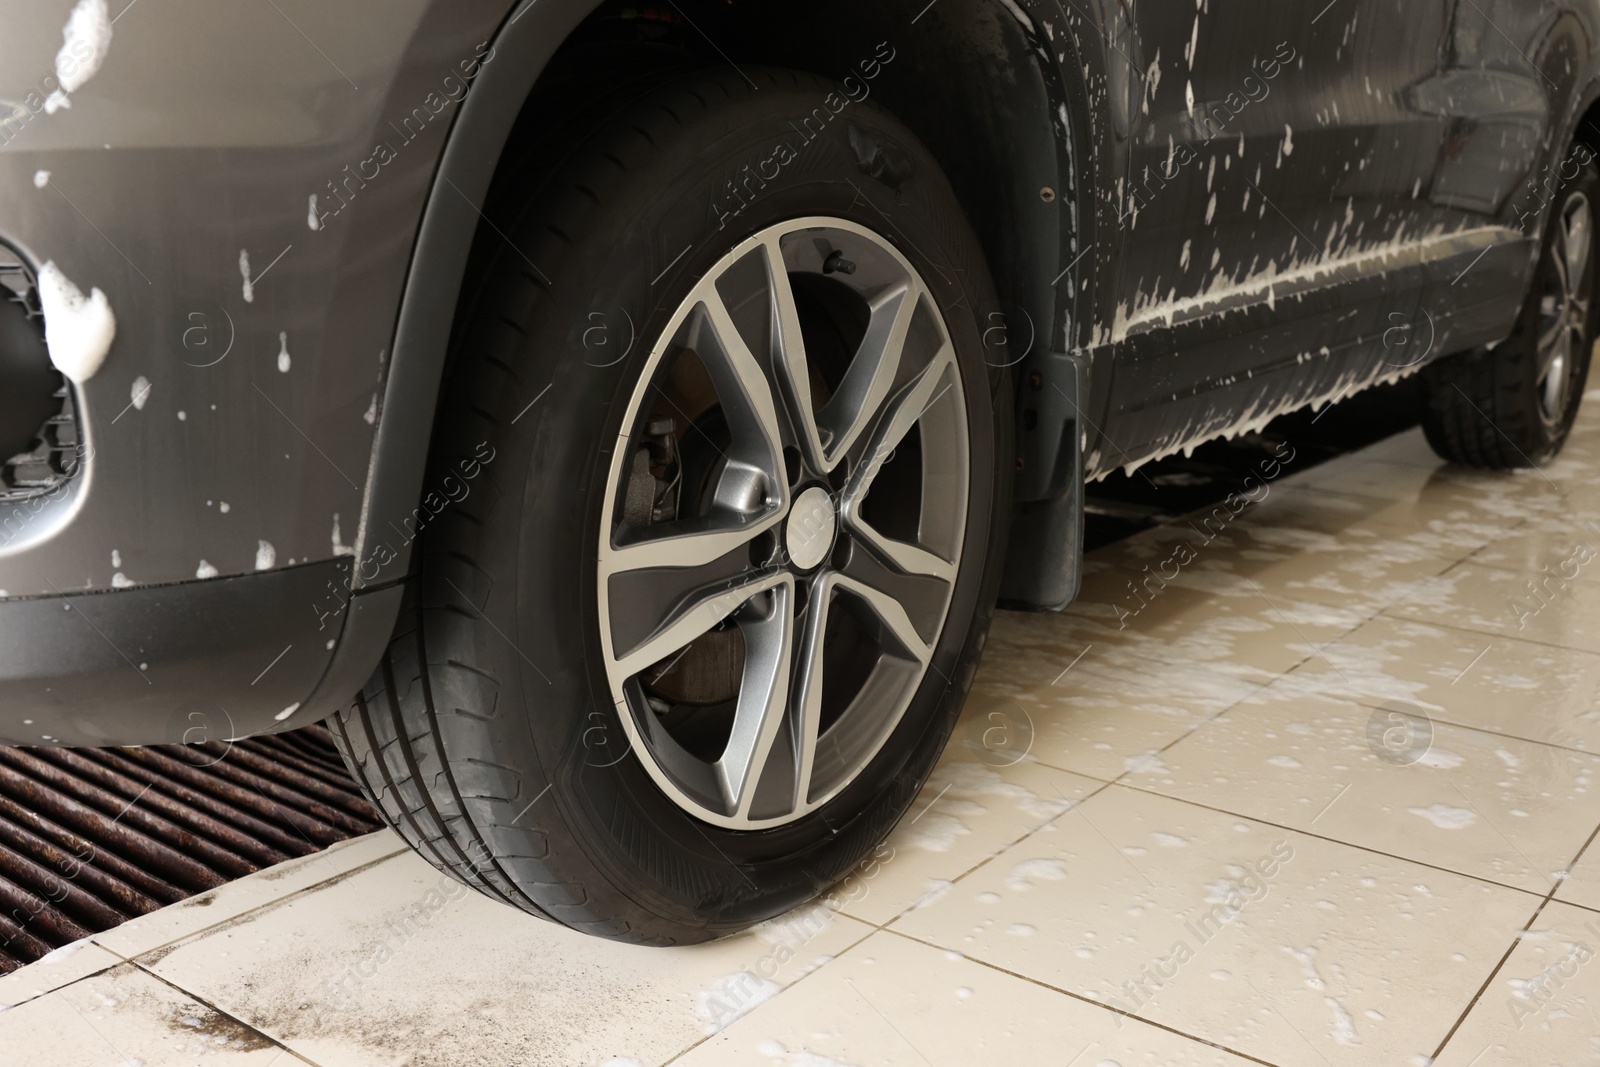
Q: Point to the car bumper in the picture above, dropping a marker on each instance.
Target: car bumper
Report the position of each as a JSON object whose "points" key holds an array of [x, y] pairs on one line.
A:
{"points": [[188, 662]]}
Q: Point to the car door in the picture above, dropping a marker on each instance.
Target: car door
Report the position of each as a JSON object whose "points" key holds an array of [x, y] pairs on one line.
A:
{"points": [[1267, 220]]}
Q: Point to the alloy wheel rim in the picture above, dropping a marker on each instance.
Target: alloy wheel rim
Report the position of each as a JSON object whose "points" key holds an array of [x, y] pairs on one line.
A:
{"points": [[1564, 307], [769, 610]]}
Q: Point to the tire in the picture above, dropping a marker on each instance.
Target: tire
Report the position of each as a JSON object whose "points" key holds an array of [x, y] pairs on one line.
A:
{"points": [[1514, 404], [504, 734]]}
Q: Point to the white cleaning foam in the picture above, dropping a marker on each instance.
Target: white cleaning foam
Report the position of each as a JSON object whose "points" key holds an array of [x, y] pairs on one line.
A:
{"points": [[78, 329], [85, 40]]}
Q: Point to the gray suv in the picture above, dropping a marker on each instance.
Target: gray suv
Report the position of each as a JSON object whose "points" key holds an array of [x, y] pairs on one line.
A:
{"points": [[620, 419]]}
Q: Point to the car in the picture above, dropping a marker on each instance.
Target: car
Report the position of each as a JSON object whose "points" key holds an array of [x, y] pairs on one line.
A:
{"points": [[620, 420]]}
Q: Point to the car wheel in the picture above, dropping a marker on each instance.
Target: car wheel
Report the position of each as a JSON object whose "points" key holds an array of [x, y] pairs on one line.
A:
{"points": [[1513, 405], [692, 639]]}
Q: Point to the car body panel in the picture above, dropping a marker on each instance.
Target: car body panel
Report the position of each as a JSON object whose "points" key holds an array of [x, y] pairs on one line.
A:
{"points": [[1356, 207], [201, 140], [1385, 211]]}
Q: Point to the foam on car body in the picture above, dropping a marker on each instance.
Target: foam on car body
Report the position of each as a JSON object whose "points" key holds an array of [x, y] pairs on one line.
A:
{"points": [[78, 329]]}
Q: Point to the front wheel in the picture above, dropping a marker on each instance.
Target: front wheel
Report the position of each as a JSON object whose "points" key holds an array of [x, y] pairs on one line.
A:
{"points": [[693, 646]]}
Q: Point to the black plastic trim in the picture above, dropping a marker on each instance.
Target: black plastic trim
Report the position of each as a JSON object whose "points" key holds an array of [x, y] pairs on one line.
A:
{"points": [[369, 624], [203, 660], [450, 221]]}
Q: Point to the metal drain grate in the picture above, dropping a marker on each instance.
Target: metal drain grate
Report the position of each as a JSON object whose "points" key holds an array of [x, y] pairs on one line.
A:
{"points": [[90, 838]]}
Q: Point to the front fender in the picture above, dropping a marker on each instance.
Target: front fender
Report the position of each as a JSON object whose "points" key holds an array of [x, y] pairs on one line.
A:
{"points": [[256, 433]]}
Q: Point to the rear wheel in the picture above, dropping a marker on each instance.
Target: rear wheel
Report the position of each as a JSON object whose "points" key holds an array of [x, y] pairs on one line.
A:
{"points": [[690, 649], [1513, 405]]}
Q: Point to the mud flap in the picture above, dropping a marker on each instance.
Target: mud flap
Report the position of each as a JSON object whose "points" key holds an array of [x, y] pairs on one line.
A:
{"points": [[1044, 558]]}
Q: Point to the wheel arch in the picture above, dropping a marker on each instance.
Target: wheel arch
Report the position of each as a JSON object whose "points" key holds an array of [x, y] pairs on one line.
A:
{"points": [[978, 81], [526, 40]]}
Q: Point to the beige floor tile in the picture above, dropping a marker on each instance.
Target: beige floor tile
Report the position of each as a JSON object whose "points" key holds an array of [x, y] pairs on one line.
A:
{"points": [[1352, 553], [1582, 885], [1565, 544], [1161, 551], [65, 965], [1577, 470], [1206, 615], [893, 1002], [1496, 601], [1204, 618], [1036, 649], [1280, 946], [1110, 710], [1403, 470], [1480, 804], [985, 794], [1516, 688], [1544, 1005], [1362, 474], [1146, 591], [237, 897], [125, 1018], [400, 960]]}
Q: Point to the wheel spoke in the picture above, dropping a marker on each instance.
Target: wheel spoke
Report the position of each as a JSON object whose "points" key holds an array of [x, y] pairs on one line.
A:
{"points": [[754, 475], [913, 402], [909, 558], [868, 382], [691, 543], [910, 605], [1576, 234], [789, 352], [1552, 381], [892, 613], [657, 634], [1558, 261], [759, 714], [1550, 336], [808, 683]]}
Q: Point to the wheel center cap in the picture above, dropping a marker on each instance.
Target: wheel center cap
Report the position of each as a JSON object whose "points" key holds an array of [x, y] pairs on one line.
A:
{"points": [[808, 533]]}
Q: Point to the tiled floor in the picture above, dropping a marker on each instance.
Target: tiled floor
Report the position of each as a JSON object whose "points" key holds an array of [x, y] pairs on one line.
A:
{"points": [[1326, 797]]}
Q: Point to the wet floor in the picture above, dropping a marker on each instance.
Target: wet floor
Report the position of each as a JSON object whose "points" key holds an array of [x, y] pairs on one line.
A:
{"points": [[1308, 781]]}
